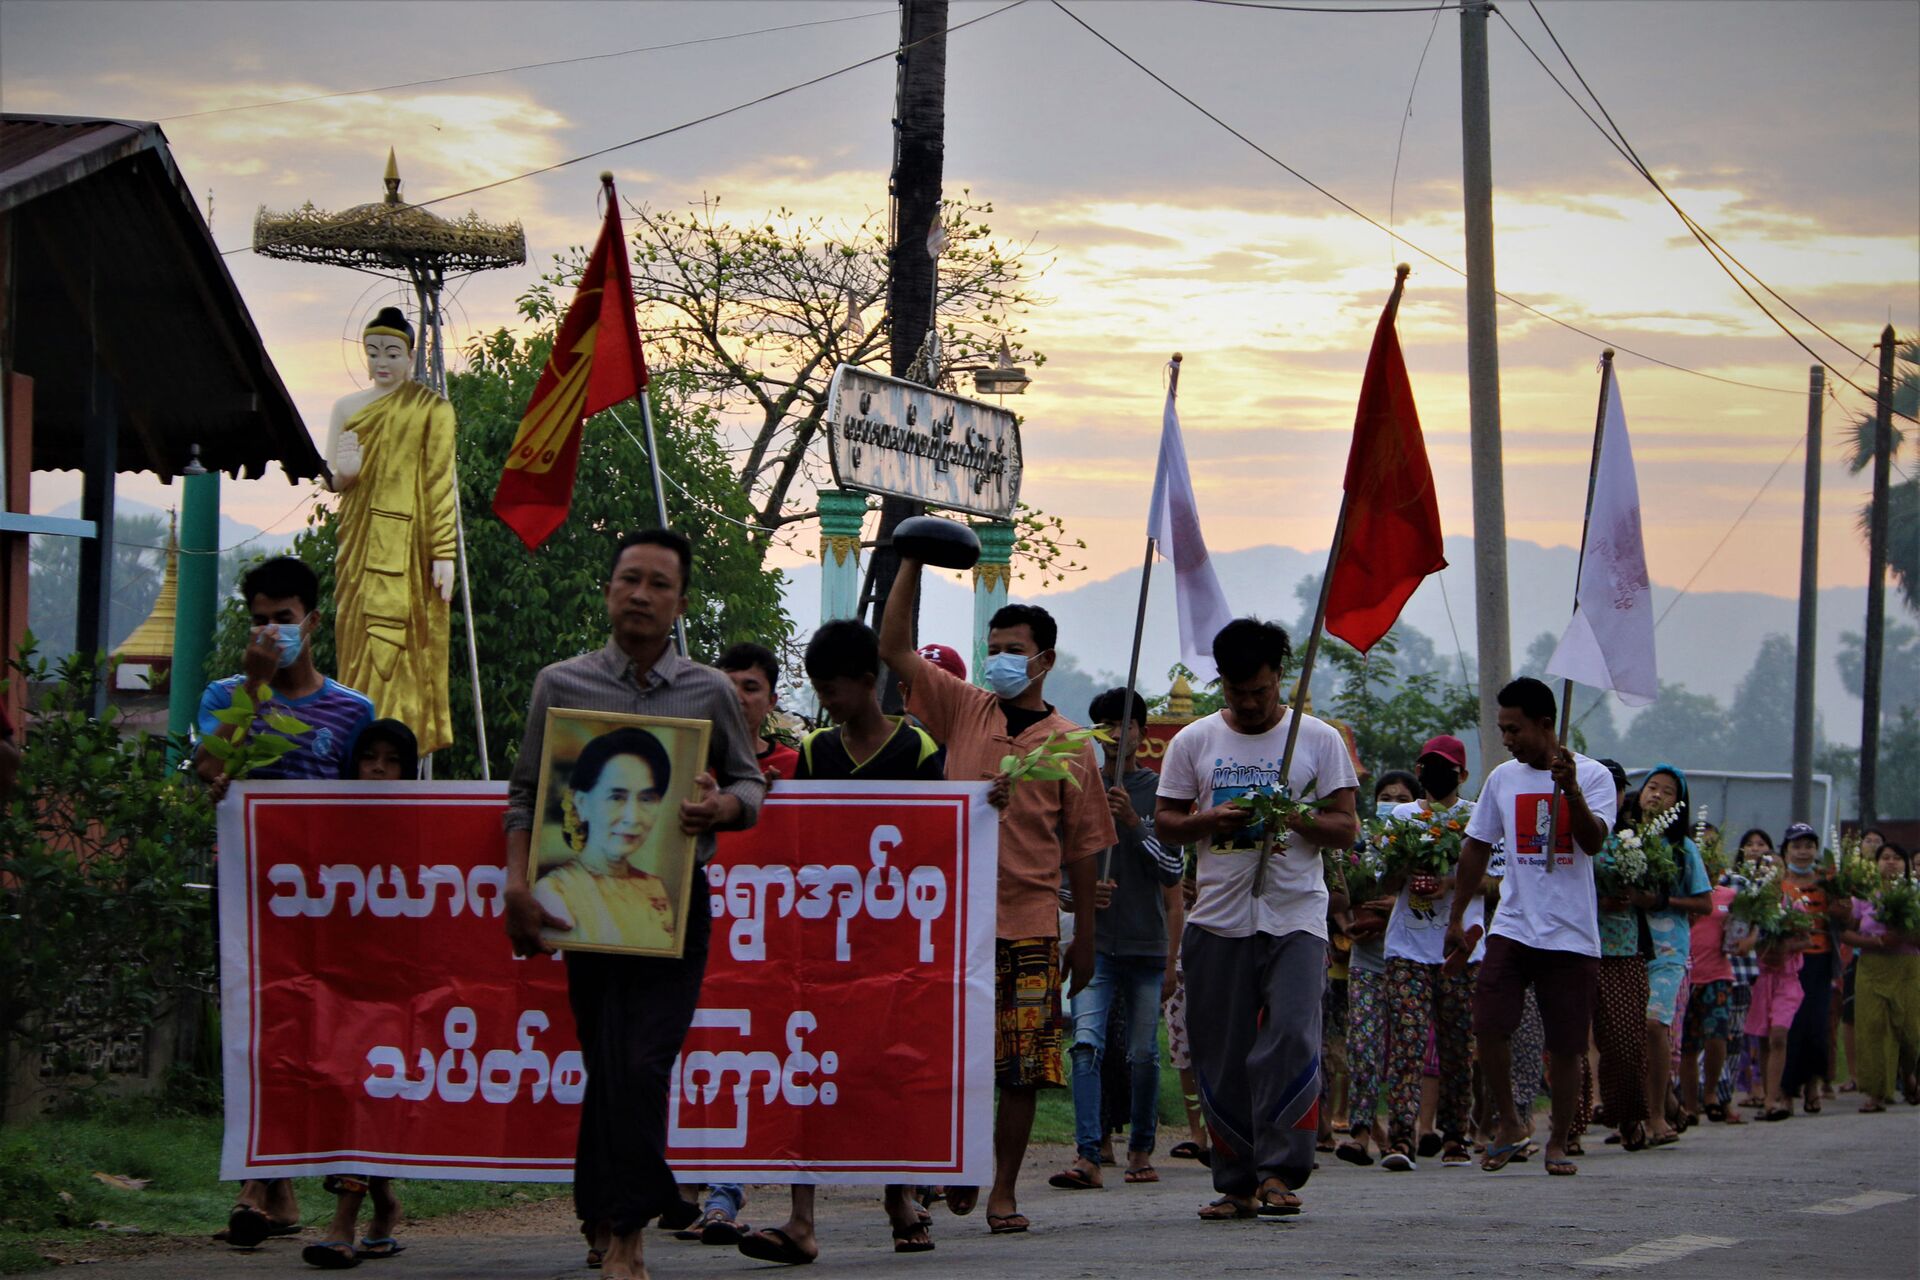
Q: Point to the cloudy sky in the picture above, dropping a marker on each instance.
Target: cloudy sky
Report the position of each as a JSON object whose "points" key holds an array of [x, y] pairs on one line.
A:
{"points": [[1791, 130]]}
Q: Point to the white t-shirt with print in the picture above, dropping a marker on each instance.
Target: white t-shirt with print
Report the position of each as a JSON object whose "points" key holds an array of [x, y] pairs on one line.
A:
{"points": [[1210, 762], [1417, 931], [1555, 911]]}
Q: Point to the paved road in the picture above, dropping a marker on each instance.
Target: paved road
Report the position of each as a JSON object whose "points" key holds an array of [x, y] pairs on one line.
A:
{"points": [[1832, 1195]]}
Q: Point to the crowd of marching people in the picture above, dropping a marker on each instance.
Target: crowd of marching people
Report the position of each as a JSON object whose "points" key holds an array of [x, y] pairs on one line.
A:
{"points": [[1387, 981]]}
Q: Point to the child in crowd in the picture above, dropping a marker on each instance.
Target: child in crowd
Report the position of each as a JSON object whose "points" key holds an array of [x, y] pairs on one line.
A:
{"points": [[385, 751]]}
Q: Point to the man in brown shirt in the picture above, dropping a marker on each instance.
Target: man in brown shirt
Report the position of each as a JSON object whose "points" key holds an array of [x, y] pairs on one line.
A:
{"points": [[1045, 826]]}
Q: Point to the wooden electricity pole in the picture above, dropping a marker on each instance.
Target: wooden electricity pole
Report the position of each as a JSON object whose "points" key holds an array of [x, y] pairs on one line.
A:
{"points": [[1876, 629]]}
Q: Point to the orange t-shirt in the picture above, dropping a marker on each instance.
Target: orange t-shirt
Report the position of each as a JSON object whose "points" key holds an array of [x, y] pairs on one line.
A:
{"points": [[1815, 900], [1046, 825]]}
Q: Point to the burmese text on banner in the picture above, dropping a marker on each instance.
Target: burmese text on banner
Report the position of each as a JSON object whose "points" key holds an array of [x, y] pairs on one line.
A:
{"points": [[376, 1020]]}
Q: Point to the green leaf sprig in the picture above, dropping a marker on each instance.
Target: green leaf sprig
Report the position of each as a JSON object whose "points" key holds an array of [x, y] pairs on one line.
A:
{"points": [[246, 750], [1052, 760]]}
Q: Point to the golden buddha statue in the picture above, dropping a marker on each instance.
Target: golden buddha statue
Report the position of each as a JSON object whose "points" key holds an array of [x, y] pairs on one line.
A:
{"points": [[390, 449]]}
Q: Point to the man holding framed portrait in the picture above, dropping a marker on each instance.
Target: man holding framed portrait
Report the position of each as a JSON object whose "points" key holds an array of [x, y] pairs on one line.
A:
{"points": [[625, 712]]}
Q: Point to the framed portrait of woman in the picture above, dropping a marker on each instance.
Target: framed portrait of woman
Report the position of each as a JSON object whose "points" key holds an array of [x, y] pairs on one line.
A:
{"points": [[608, 854]]}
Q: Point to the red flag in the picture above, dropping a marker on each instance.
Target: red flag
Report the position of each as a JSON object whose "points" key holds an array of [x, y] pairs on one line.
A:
{"points": [[596, 363], [1392, 533]]}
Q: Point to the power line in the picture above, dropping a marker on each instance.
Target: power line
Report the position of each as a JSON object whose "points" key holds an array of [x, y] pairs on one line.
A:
{"points": [[1400, 145], [1375, 223], [689, 124], [524, 66], [1316, 8], [1744, 512], [1717, 251]]}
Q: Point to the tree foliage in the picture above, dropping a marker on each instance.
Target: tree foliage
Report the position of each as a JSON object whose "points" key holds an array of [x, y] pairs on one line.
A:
{"points": [[98, 841], [1903, 496], [533, 608]]}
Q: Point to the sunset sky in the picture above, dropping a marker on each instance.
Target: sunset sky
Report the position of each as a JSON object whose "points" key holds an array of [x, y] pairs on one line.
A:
{"points": [[1791, 130]]}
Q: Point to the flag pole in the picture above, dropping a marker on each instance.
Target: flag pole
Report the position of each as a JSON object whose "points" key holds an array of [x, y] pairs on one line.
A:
{"points": [[1586, 522], [653, 450], [1320, 606], [1118, 762]]}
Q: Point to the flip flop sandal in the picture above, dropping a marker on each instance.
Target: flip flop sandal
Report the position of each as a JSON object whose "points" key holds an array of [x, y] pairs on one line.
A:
{"points": [[1353, 1153], [372, 1250], [1226, 1209], [340, 1184], [1664, 1140], [1784, 1113], [771, 1244], [1430, 1144], [1455, 1153], [684, 1215], [594, 1260], [1283, 1204], [1576, 1148], [904, 1241], [1145, 1173], [1185, 1151], [1007, 1224], [1498, 1157], [1562, 1168], [718, 1228], [326, 1255], [1325, 1144], [1073, 1180], [1717, 1113]]}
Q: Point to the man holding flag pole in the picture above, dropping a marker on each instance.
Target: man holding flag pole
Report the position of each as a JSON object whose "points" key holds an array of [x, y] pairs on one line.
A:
{"points": [[1255, 944], [1551, 805]]}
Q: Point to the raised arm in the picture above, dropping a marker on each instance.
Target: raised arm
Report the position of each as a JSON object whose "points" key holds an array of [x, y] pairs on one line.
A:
{"points": [[896, 625]]}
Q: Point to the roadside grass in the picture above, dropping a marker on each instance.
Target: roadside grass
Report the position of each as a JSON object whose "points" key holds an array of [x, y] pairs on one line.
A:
{"points": [[50, 1200]]}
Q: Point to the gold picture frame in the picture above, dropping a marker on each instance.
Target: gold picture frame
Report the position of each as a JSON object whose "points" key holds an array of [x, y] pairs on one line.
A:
{"points": [[627, 886]]}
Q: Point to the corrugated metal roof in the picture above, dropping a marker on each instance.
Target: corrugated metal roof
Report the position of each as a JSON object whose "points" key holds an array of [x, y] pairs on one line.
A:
{"points": [[113, 274]]}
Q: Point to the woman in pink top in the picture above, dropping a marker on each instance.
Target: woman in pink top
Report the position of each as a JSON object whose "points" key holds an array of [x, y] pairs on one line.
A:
{"points": [[1886, 998], [1710, 1015]]}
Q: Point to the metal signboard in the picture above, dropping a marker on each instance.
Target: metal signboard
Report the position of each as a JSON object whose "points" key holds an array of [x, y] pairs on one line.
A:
{"points": [[903, 440]]}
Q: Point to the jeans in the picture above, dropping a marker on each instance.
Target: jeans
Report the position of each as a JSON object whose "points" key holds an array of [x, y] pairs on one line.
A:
{"points": [[1135, 981], [728, 1197]]}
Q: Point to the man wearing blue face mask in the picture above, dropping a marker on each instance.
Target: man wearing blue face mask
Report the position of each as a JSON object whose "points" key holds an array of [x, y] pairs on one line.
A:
{"points": [[1050, 830], [278, 673], [282, 595]]}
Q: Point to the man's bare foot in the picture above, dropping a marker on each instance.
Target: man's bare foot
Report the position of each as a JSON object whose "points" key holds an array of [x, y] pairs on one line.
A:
{"points": [[623, 1258], [1082, 1175]]}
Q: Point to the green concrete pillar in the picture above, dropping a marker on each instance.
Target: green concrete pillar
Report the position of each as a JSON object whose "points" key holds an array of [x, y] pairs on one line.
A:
{"points": [[199, 595], [991, 578], [841, 515]]}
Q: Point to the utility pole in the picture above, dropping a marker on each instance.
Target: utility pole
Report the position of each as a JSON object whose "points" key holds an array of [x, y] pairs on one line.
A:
{"points": [[1876, 637], [1492, 628], [1801, 807], [919, 152]]}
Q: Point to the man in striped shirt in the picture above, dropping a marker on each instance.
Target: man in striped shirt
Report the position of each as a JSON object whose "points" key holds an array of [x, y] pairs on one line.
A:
{"points": [[632, 1012], [279, 675]]}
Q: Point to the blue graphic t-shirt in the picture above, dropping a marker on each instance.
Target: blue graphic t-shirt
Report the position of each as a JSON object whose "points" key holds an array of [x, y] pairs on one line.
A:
{"points": [[335, 713]]}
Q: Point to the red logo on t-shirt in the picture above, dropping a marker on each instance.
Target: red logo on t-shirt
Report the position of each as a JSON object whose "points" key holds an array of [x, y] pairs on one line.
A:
{"points": [[1530, 827]]}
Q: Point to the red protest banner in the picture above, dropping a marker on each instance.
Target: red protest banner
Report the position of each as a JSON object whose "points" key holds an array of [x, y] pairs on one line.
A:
{"points": [[376, 1020]]}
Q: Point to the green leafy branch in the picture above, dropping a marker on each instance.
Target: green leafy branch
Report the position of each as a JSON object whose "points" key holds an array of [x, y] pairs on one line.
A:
{"points": [[1051, 761], [246, 750]]}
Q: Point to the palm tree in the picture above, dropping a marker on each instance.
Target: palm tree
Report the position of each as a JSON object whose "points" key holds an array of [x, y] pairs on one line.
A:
{"points": [[1903, 497]]}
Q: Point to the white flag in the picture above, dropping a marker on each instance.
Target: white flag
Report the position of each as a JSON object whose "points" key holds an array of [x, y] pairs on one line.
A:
{"points": [[1173, 521], [1609, 643]]}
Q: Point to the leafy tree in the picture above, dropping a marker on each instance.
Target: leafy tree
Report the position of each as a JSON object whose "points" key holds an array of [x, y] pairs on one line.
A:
{"points": [[1903, 496], [98, 842], [1686, 729], [759, 314], [1760, 730], [533, 608], [1899, 783], [1392, 713], [1899, 667], [139, 560]]}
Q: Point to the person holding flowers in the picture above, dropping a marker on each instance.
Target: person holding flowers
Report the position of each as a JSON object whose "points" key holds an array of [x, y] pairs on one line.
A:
{"points": [[1775, 931], [1255, 947], [1808, 1044], [1426, 1001], [1367, 1011], [1676, 899], [1619, 1022], [1885, 925], [1751, 859]]}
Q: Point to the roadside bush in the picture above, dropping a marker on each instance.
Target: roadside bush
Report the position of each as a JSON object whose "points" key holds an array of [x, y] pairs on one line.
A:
{"points": [[99, 934]]}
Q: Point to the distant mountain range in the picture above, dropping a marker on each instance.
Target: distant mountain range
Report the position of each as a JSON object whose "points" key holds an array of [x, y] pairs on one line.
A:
{"points": [[232, 532], [1707, 643]]}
